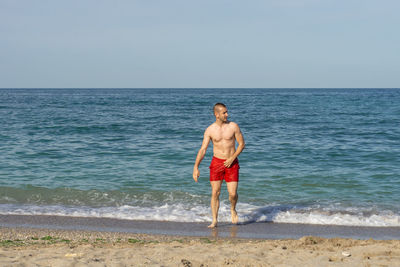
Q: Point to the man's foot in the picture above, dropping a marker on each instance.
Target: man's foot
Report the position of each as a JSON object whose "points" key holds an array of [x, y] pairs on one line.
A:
{"points": [[235, 217], [213, 224]]}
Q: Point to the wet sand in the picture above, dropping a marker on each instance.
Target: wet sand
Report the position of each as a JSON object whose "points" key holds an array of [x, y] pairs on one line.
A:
{"points": [[248, 230], [75, 241]]}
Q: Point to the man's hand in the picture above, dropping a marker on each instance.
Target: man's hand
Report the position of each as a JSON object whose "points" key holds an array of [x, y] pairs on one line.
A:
{"points": [[228, 162], [196, 174]]}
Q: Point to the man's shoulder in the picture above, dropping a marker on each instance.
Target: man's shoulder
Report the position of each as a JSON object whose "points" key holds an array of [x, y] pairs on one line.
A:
{"points": [[233, 124], [210, 128]]}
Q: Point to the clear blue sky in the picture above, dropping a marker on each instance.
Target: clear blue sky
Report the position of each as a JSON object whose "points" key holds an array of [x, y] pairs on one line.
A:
{"points": [[204, 43]]}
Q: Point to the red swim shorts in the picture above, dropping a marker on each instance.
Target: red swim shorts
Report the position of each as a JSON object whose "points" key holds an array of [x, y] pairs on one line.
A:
{"points": [[219, 172]]}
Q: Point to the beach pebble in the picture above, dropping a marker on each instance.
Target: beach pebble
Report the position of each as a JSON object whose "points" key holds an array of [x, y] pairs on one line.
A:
{"points": [[186, 263], [346, 254]]}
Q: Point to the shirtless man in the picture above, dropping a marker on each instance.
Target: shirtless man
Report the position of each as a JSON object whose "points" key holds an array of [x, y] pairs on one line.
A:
{"points": [[224, 165]]}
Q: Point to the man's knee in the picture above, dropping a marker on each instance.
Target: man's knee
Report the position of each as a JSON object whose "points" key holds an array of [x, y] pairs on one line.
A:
{"points": [[216, 193], [233, 196]]}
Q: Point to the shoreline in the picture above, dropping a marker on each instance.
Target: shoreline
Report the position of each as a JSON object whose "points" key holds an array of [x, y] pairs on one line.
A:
{"points": [[185, 229]]}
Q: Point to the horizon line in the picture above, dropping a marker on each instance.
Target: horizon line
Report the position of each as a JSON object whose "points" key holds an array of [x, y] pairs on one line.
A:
{"points": [[199, 87]]}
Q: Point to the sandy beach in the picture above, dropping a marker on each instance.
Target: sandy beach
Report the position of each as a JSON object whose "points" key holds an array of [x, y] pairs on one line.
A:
{"points": [[45, 247]]}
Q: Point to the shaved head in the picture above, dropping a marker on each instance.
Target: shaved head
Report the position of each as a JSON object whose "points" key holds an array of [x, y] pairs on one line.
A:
{"points": [[218, 106]]}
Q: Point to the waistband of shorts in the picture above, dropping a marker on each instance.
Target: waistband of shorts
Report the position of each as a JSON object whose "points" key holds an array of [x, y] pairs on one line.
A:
{"points": [[218, 159]]}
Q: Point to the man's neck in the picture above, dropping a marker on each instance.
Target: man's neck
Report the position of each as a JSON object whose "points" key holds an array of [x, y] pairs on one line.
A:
{"points": [[220, 123]]}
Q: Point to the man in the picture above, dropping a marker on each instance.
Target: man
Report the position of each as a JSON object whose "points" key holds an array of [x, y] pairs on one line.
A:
{"points": [[224, 165]]}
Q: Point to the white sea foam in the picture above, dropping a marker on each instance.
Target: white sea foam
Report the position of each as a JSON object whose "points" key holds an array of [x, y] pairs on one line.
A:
{"points": [[190, 213], [324, 216], [165, 212], [316, 217]]}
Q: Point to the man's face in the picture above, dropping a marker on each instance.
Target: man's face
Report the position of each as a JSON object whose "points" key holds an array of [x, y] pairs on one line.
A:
{"points": [[222, 114]]}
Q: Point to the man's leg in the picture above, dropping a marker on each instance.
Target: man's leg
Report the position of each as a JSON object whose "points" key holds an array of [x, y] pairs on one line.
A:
{"points": [[233, 197], [215, 191]]}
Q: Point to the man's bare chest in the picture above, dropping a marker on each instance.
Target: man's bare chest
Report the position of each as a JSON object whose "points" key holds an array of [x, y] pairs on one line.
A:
{"points": [[222, 135]]}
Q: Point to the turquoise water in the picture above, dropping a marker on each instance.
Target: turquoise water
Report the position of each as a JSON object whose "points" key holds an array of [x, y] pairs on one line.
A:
{"points": [[326, 156]]}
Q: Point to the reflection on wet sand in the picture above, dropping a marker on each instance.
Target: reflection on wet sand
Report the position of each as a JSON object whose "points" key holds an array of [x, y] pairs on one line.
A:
{"points": [[232, 231]]}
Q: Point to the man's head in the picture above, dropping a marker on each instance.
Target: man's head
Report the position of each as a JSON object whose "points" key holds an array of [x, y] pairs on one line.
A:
{"points": [[221, 112]]}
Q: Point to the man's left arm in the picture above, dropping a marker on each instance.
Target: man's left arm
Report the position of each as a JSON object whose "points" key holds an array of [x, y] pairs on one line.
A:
{"points": [[241, 144]]}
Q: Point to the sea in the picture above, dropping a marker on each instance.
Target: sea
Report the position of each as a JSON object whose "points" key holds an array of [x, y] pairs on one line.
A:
{"points": [[312, 156]]}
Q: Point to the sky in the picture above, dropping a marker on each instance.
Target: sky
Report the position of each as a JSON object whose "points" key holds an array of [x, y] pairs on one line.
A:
{"points": [[199, 44]]}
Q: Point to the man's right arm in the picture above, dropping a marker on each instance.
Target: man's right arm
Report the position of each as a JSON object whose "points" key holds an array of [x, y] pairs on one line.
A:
{"points": [[201, 154]]}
